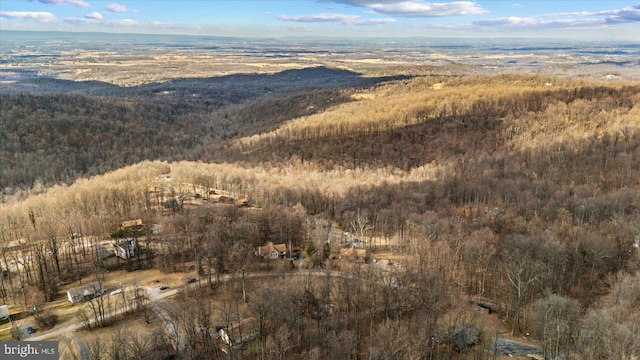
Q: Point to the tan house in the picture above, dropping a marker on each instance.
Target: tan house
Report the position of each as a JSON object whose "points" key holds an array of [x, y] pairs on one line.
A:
{"points": [[133, 224], [272, 251], [86, 292]]}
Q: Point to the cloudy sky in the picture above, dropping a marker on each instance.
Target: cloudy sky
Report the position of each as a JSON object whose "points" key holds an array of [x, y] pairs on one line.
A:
{"points": [[594, 19]]}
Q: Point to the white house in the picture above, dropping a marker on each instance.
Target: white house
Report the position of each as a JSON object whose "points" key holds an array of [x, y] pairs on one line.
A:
{"points": [[86, 292], [126, 249]]}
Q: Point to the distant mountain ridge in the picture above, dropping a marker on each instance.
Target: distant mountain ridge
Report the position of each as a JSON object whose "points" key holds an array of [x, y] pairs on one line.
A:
{"points": [[288, 80]]}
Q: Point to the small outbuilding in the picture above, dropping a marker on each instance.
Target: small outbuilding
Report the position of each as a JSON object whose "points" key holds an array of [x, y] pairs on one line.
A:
{"points": [[4, 312]]}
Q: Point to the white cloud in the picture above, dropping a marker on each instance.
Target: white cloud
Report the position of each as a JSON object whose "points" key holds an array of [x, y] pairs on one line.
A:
{"points": [[94, 15], [625, 15], [419, 9], [78, 3], [123, 22], [567, 19], [374, 21], [532, 22], [318, 18], [416, 8], [81, 21], [335, 18], [113, 7], [108, 23], [36, 16]]}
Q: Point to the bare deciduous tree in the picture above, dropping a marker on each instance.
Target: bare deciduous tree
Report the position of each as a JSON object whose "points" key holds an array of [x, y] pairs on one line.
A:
{"points": [[556, 320]]}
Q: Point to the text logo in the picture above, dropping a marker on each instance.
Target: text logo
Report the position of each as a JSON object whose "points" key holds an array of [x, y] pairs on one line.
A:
{"points": [[43, 350]]}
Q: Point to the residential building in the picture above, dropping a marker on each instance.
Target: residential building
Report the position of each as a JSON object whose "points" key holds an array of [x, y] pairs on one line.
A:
{"points": [[84, 293], [126, 249], [272, 251]]}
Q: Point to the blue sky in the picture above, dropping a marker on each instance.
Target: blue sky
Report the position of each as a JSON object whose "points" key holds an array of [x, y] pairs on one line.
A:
{"points": [[336, 18]]}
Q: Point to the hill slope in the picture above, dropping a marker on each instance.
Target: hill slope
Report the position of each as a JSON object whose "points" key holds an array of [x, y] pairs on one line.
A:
{"points": [[521, 191], [52, 132]]}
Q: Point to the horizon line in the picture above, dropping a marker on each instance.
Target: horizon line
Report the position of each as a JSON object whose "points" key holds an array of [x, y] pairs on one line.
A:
{"points": [[318, 37]]}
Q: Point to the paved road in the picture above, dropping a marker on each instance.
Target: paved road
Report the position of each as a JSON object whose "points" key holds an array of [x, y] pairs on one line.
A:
{"points": [[164, 311], [83, 350], [167, 313], [155, 295]]}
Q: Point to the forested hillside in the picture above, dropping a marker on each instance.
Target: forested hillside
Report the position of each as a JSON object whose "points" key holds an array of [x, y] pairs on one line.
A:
{"points": [[521, 191], [53, 133]]}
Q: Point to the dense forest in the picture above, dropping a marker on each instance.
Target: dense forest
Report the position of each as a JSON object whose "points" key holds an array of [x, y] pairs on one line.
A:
{"points": [[519, 193], [75, 135]]}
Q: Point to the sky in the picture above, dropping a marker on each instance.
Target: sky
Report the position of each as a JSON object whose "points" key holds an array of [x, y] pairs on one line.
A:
{"points": [[584, 20]]}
